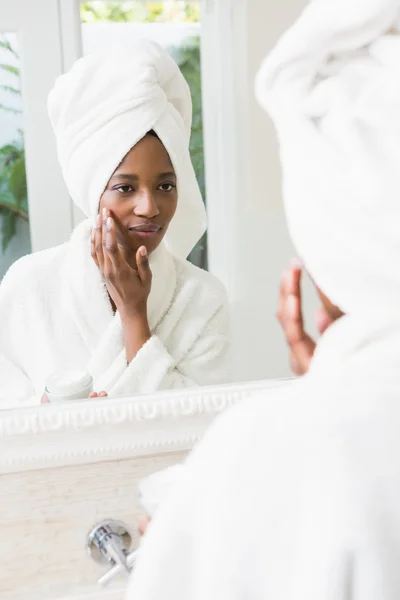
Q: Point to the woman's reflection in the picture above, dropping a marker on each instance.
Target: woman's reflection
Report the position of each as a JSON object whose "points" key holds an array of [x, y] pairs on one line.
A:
{"points": [[119, 299]]}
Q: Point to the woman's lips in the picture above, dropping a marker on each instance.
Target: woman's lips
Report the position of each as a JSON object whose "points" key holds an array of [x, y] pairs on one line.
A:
{"points": [[145, 231]]}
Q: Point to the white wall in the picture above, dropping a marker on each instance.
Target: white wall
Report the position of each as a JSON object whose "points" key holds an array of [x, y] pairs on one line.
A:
{"points": [[263, 247]]}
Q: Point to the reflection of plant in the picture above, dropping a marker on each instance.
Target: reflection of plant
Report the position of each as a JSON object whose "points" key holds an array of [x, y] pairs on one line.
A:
{"points": [[141, 11], [13, 189], [188, 59]]}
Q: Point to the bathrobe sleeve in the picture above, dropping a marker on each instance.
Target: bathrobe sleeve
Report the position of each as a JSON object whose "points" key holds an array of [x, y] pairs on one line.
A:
{"points": [[15, 386], [155, 368]]}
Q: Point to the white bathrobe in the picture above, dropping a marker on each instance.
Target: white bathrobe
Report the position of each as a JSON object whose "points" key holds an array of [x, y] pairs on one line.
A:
{"points": [[55, 314], [54, 309], [295, 495]]}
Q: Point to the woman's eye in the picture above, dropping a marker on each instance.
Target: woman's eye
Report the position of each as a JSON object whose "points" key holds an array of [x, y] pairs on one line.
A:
{"points": [[124, 189], [167, 187]]}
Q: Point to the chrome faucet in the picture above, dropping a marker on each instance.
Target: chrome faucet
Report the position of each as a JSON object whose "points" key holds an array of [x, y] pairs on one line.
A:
{"points": [[110, 542]]}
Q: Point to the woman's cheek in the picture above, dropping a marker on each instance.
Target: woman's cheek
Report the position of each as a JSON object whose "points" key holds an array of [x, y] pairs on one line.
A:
{"points": [[112, 200]]}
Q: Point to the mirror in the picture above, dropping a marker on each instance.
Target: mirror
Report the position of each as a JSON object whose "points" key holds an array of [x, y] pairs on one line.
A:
{"points": [[61, 327]]}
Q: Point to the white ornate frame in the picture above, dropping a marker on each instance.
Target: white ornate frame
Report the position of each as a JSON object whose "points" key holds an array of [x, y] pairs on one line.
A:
{"points": [[92, 430]]}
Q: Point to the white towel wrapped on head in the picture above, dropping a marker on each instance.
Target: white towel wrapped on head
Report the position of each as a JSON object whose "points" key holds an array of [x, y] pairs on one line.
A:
{"points": [[295, 495], [104, 105], [332, 88]]}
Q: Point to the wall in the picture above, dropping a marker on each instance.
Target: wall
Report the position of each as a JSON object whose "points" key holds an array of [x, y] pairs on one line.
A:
{"points": [[263, 247]]}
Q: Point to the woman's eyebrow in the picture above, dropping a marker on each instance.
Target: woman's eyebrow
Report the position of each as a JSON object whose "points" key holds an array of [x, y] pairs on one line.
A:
{"points": [[127, 176], [133, 177], [167, 174]]}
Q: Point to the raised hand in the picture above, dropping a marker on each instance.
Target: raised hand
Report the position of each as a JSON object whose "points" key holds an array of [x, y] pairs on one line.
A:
{"points": [[128, 287], [290, 316]]}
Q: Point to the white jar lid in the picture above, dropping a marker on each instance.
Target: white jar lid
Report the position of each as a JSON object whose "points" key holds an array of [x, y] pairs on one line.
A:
{"points": [[63, 383]]}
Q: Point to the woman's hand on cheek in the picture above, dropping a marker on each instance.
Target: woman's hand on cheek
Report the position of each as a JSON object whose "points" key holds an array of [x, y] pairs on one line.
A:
{"points": [[129, 288]]}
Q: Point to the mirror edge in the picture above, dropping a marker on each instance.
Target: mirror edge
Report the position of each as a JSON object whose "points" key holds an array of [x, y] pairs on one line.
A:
{"points": [[88, 431]]}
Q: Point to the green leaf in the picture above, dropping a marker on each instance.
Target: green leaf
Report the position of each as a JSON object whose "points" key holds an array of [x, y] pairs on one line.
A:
{"points": [[9, 153], [8, 228], [10, 89], [17, 180], [10, 69], [10, 149], [7, 198], [5, 44], [15, 111]]}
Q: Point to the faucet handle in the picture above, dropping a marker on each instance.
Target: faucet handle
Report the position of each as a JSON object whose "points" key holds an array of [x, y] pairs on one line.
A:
{"points": [[118, 569], [110, 542]]}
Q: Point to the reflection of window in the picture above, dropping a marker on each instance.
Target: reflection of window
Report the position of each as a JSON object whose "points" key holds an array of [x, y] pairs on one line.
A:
{"points": [[174, 24], [14, 229]]}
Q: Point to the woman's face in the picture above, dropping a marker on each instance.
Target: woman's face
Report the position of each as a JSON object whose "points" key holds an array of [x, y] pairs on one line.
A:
{"points": [[142, 195]]}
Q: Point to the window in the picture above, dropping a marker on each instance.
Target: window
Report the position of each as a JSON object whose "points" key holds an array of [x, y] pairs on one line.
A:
{"points": [[14, 220]]}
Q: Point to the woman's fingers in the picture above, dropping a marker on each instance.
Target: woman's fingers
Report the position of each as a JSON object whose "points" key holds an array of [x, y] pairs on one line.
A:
{"points": [[144, 521], [293, 283], [45, 399], [322, 320], [290, 315], [93, 246], [111, 248], [143, 266], [282, 299], [98, 243], [108, 266], [293, 322], [302, 353], [290, 286]]}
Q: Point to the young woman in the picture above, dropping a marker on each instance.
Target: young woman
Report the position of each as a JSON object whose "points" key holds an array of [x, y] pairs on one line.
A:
{"points": [[295, 494], [119, 299]]}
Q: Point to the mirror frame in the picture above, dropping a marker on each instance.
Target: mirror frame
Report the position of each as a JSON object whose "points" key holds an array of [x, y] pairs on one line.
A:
{"points": [[112, 429]]}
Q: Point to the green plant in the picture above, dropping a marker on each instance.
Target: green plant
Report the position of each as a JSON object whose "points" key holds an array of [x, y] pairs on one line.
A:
{"points": [[141, 11], [13, 188], [189, 61]]}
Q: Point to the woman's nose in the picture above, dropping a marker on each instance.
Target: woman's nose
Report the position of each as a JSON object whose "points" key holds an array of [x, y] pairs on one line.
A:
{"points": [[146, 205]]}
